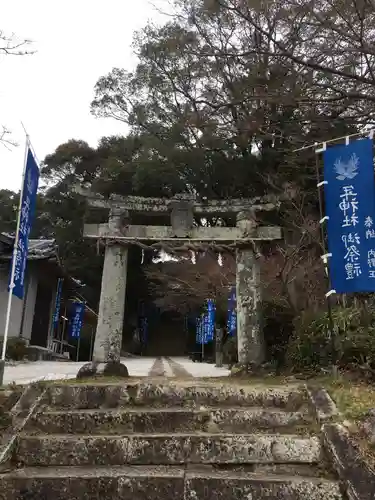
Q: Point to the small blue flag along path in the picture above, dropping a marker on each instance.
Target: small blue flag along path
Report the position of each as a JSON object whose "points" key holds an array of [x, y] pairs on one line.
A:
{"points": [[76, 319], [56, 312], [211, 310], [232, 312]]}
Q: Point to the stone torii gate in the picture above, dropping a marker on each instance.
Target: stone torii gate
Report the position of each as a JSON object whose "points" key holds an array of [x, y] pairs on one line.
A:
{"points": [[119, 233]]}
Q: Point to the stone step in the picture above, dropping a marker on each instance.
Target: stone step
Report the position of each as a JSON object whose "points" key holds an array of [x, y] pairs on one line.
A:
{"points": [[151, 483], [5, 395], [79, 396], [147, 420], [8, 398], [166, 449]]}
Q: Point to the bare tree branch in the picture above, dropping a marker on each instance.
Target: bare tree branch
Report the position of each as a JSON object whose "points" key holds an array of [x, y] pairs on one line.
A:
{"points": [[5, 139], [11, 46]]}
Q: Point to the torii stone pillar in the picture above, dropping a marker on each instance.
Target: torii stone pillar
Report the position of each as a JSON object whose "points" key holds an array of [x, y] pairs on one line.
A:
{"points": [[108, 339], [250, 341], [107, 346]]}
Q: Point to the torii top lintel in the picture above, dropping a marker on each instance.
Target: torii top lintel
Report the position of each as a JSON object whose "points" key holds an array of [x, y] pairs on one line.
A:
{"points": [[158, 206]]}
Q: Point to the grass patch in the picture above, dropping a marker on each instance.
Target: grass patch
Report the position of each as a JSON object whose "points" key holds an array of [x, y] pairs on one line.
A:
{"points": [[353, 399], [277, 382], [247, 380], [90, 381], [233, 382]]}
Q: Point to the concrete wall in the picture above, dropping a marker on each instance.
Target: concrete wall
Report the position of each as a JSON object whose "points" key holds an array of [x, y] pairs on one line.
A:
{"points": [[30, 297], [51, 334], [17, 305]]}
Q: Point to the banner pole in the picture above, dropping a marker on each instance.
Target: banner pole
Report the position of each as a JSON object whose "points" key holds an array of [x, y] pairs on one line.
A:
{"points": [[13, 268], [60, 282], [331, 325], [91, 343], [78, 346], [63, 331], [347, 137]]}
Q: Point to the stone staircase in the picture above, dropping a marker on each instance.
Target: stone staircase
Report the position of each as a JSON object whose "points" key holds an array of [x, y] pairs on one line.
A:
{"points": [[8, 398], [170, 440]]}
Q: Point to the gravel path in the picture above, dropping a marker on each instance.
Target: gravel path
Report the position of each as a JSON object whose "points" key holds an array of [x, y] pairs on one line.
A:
{"points": [[25, 373]]}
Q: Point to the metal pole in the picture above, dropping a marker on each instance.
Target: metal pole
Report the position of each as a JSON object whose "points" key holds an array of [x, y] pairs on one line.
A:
{"points": [[91, 343], [24, 304], [56, 305], [78, 346], [331, 325], [63, 331], [316, 145], [219, 347], [13, 269]]}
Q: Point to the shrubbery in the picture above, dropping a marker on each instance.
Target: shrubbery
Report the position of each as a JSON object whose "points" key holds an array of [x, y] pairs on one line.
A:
{"points": [[278, 328], [354, 339], [16, 348]]}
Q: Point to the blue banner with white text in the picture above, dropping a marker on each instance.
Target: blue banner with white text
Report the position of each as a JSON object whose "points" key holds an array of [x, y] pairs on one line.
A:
{"points": [[198, 339], [29, 192], [202, 329], [211, 310], [232, 312], [350, 206], [56, 313], [205, 328], [76, 319]]}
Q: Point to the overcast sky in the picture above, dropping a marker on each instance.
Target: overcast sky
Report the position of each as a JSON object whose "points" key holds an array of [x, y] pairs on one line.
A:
{"points": [[77, 41]]}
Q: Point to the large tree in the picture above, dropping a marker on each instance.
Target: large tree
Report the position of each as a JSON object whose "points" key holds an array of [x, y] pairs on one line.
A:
{"points": [[217, 104], [108, 167], [221, 96], [218, 107], [331, 40]]}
